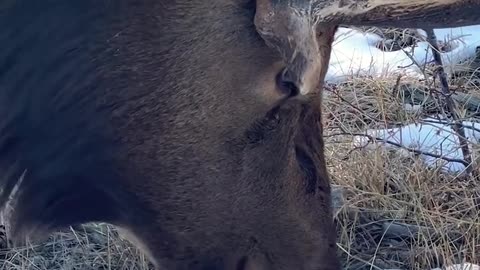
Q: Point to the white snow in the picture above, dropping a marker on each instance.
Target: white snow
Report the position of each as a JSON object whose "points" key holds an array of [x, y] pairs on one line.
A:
{"points": [[355, 53], [465, 266], [430, 136]]}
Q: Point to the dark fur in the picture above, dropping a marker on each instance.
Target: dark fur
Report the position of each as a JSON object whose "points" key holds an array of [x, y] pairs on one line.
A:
{"points": [[162, 117]]}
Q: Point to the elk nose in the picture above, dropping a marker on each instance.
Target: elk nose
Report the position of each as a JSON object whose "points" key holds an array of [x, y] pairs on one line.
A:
{"points": [[287, 83]]}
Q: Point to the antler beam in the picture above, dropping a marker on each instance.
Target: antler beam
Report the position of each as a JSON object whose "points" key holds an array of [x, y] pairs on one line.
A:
{"points": [[303, 30], [400, 13]]}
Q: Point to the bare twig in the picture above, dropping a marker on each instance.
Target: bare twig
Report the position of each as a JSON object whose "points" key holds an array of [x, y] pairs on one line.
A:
{"points": [[397, 85], [415, 62], [439, 121], [450, 104], [413, 150], [399, 145]]}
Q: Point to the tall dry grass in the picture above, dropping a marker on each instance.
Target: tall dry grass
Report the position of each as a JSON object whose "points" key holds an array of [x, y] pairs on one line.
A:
{"points": [[398, 213]]}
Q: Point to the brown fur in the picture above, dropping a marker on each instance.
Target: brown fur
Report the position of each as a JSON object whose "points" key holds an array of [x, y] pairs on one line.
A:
{"points": [[163, 118]]}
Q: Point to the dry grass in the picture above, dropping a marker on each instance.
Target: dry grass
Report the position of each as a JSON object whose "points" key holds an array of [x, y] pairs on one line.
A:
{"points": [[383, 189], [91, 246], [387, 189]]}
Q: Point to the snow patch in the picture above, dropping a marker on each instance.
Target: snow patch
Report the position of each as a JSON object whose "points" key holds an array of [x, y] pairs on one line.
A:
{"points": [[355, 53], [431, 136]]}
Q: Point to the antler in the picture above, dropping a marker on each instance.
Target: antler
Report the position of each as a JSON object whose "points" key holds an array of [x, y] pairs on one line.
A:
{"points": [[400, 13]]}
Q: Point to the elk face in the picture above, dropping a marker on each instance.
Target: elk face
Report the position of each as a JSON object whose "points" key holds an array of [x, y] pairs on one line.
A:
{"points": [[194, 125], [238, 180], [173, 120]]}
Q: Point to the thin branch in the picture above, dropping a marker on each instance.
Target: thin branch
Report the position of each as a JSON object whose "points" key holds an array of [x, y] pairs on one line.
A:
{"points": [[409, 149], [439, 121], [416, 151], [450, 104], [396, 86]]}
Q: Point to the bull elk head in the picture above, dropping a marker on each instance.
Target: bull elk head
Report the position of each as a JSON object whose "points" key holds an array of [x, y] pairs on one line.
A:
{"points": [[193, 125]]}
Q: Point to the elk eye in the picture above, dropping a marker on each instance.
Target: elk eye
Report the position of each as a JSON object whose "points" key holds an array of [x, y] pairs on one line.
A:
{"points": [[286, 84], [308, 169]]}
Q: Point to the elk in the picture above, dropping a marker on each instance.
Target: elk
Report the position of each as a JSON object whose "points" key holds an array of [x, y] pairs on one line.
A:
{"points": [[192, 125]]}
